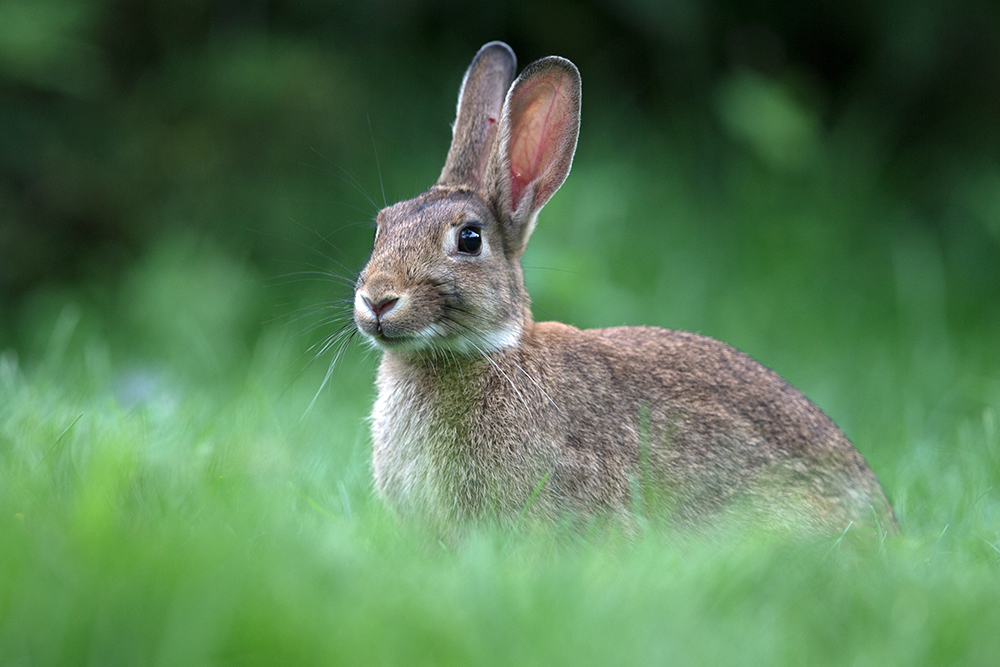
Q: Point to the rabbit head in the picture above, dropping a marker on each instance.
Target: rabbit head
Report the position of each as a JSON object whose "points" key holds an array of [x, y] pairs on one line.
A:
{"points": [[445, 272]]}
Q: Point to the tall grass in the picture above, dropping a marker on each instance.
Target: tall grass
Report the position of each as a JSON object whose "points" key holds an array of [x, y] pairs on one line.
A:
{"points": [[213, 529]]}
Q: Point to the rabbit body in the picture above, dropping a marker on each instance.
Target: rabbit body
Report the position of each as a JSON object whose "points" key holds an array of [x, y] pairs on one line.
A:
{"points": [[484, 415]]}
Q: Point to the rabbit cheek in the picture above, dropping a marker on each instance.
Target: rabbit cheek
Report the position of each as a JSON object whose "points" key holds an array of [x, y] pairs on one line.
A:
{"points": [[483, 300]]}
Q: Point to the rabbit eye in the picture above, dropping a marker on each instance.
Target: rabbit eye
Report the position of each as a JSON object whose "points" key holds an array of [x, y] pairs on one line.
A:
{"points": [[470, 241]]}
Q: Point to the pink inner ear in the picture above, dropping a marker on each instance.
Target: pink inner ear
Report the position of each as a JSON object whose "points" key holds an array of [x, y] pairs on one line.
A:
{"points": [[535, 134]]}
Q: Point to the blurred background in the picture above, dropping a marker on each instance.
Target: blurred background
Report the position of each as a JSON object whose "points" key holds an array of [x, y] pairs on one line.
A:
{"points": [[816, 183], [187, 188]]}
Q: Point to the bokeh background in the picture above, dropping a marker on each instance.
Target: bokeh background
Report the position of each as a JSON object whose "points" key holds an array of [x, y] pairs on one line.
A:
{"points": [[187, 188], [219, 139]]}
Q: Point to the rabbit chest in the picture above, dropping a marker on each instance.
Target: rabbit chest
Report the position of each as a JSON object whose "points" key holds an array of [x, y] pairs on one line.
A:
{"points": [[450, 445]]}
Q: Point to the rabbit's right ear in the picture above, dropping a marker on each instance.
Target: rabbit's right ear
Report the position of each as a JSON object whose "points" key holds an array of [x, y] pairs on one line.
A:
{"points": [[480, 101]]}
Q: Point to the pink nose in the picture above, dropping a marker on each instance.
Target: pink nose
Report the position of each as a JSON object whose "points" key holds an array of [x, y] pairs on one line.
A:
{"points": [[381, 307]]}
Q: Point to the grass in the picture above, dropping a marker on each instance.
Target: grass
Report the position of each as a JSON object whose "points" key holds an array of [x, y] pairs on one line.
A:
{"points": [[225, 530], [164, 498]]}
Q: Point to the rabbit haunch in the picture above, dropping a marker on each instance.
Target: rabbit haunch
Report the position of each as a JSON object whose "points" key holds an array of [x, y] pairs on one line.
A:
{"points": [[485, 415]]}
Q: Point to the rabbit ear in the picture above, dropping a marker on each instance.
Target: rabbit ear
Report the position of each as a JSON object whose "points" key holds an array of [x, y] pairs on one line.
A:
{"points": [[479, 103], [538, 132]]}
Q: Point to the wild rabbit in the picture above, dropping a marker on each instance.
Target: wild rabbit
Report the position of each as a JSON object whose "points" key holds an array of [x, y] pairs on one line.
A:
{"points": [[484, 415]]}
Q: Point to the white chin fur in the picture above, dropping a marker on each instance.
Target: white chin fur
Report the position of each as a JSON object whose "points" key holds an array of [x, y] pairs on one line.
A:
{"points": [[432, 339], [491, 341]]}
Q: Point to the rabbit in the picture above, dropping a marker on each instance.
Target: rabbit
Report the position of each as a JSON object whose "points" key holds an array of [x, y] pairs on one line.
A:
{"points": [[484, 416]]}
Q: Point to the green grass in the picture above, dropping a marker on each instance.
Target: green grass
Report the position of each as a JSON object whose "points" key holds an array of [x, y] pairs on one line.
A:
{"points": [[202, 529], [166, 499]]}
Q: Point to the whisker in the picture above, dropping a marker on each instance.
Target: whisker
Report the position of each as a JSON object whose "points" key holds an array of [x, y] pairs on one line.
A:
{"points": [[321, 200], [329, 372], [327, 321], [378, 166], [325, 240], [350, 178], [329, 342], [308, 247], [549, 268], [538, 386], [312, 276], [502, 372], [305, 311], [315, 271]]}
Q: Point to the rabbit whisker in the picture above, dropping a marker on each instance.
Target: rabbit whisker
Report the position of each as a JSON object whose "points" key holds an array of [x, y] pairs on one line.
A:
{"points": [[310, 311], [326, 321], [310, 276], [333, 364], [378, 167], [321, 237], [350, 180], [330, 341]]}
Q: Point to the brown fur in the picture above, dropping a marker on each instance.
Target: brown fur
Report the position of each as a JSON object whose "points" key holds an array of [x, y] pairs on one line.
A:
{"points": [[483, 415]]}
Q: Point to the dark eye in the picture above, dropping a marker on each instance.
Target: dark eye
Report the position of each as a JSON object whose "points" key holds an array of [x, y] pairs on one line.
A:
{"points": [[470, 240]]}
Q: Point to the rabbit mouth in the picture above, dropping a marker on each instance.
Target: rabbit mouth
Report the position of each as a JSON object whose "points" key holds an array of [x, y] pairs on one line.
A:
{"points": [[389, 336], [441, 337], [385, 336], [399, 341]]}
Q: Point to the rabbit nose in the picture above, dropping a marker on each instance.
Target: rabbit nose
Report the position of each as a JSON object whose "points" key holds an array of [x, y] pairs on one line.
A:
{"points": [[382, 306]]}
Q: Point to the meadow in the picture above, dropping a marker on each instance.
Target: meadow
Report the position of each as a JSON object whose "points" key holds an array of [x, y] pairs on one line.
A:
{"points": [[184, 470]]}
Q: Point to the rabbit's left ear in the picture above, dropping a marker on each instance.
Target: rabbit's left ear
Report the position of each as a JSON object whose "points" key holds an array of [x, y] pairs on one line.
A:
{"points": [[534, 153], [479, 102]]}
